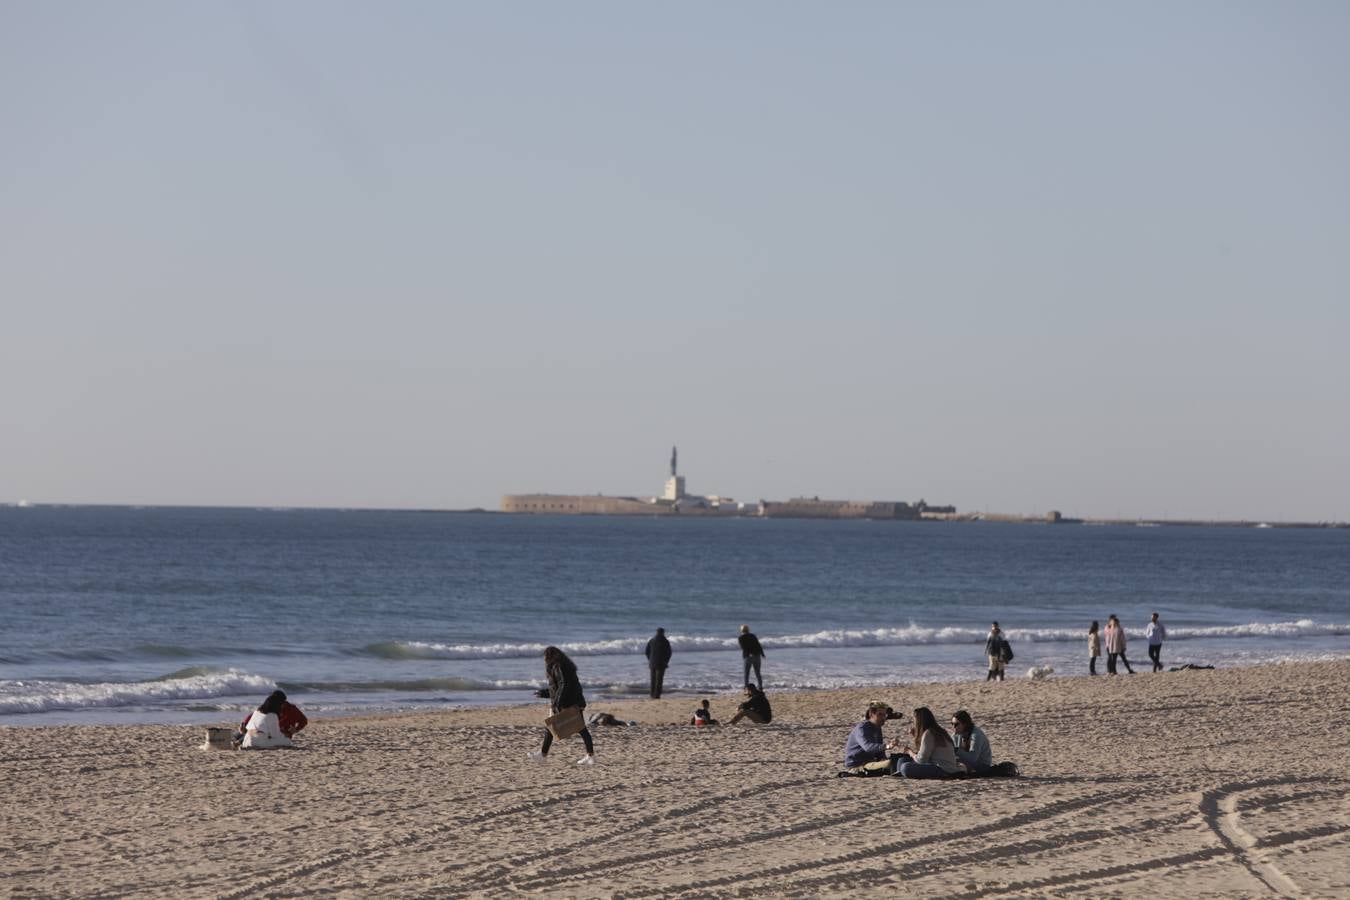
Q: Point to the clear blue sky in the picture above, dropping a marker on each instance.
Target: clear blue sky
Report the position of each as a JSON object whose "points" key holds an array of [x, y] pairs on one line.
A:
{"points": [[1011, 256]]}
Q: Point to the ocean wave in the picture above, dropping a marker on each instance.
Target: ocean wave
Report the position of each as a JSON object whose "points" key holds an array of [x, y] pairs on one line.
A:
{"points": [[18, 697], [910, 635], [411, 685]]}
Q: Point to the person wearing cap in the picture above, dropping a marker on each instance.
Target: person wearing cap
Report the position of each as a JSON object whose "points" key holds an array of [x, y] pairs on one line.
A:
{"points": [[866, 743]]}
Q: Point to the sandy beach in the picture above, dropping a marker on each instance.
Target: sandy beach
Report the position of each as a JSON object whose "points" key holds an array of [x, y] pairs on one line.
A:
{"points": [[1199, 783]]}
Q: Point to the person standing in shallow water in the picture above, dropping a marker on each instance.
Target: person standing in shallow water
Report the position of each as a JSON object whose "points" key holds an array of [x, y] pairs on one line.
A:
{"points": [[564, 690], [658, 659], [993, 648], [751, 655], [1094, 647], [1156, 632]]}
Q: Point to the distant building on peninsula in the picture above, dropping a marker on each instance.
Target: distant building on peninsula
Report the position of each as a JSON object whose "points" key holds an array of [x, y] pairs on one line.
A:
{"points": [[676, 500]]}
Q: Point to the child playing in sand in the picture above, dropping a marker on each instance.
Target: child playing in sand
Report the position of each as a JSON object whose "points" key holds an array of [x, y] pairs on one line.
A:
{"points": [[703, 716]]}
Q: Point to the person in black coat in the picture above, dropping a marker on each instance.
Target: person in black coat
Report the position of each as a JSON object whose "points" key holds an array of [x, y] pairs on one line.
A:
{"points": [[564, 690], [751, 654], [658, 658]]}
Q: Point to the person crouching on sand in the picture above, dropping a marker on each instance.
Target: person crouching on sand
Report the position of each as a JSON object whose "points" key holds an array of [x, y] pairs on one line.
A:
{"points": [[936, 756], [564, 690], [703, 715], [755, 708], [272, 724]]}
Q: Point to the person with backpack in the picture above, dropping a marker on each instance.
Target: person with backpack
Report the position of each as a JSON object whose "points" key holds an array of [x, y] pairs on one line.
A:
{"points": [[998, 651]]}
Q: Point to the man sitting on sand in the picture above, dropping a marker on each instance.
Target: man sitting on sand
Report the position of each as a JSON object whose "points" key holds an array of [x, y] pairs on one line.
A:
{"points": [[703, 715], [866, 745], [972, 747], [755, 708]]}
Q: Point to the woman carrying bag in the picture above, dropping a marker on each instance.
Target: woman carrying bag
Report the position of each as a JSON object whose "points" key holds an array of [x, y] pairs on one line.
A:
{"points": [[564, 694]]}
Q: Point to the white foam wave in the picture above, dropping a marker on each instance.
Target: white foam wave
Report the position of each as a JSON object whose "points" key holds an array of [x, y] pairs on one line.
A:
{"points": [[17, 697], [911, 635]]}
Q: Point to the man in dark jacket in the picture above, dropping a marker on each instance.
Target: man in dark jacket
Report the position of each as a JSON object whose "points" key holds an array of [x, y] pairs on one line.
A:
{"points": [[751, 654], [658, 658]]}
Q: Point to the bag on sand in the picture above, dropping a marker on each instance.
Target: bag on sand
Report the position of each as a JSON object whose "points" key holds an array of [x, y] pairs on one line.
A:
{"points": [[565, 723]]}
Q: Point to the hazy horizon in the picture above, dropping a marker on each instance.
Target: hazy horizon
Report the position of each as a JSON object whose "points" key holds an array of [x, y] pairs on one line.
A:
{"points": [[1013, 258]]}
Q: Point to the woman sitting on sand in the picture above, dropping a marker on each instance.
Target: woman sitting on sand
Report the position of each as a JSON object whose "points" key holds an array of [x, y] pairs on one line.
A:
{"points": [[936, 756], [272, 724], [564, 690]]}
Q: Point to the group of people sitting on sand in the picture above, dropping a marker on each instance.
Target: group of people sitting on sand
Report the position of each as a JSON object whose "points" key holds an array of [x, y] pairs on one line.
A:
{"points": [[271, 725], [930, 753], [755, 708]]}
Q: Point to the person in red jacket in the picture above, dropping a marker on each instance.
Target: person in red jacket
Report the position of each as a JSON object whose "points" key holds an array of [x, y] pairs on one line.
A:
{"points": [[289, 716]]}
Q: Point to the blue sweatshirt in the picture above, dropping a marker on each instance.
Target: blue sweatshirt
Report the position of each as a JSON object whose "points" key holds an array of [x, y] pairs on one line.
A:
{"points": [[865, 745]]}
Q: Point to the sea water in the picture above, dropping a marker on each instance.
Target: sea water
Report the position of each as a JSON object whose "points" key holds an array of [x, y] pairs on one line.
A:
{"points": [[118, 614]]}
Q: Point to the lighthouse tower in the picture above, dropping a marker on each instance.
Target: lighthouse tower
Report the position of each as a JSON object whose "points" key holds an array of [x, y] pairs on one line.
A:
{"points": [[675, 483]]}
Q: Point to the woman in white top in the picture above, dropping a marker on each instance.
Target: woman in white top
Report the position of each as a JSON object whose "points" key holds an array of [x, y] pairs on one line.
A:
{"points": [[263, 731], [936, 756]]}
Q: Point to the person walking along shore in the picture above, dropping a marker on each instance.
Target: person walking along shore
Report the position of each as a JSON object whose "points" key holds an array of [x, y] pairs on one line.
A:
{"points": [[1094, 647], [564, 691], [1115, 646], [1156, 632]]}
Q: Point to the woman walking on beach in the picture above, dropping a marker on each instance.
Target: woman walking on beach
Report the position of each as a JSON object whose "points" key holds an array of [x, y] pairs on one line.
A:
{"points": [[564, 690], [1115, 646], [1094, 647]]}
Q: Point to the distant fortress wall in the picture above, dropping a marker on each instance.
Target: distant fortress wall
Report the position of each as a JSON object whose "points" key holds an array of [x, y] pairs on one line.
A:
{"points": [[574, 504], [814, 508]]}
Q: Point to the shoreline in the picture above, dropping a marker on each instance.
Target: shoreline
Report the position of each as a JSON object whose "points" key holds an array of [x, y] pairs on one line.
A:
{"points": [[597, 695], [1223, 782]]}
